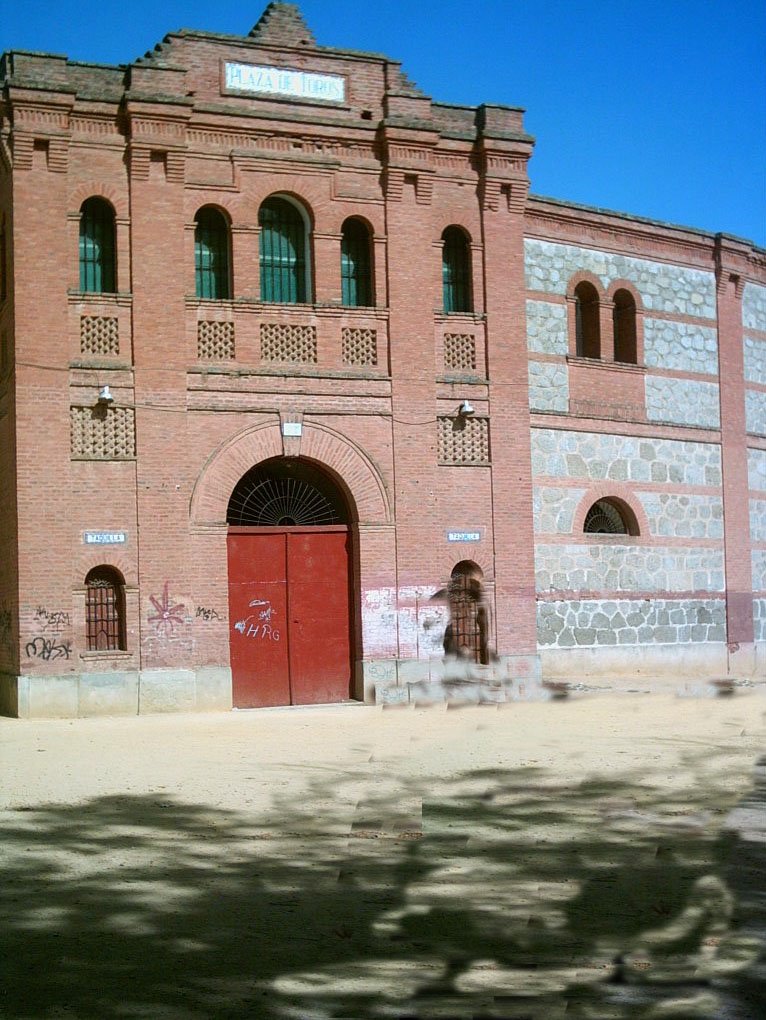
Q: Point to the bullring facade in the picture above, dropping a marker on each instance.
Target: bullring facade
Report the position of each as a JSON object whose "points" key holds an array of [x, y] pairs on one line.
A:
{"points": [[304, 397]]}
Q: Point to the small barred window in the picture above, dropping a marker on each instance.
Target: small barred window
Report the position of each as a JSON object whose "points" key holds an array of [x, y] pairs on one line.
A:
{"points": [[105, 610], [605, 517]]}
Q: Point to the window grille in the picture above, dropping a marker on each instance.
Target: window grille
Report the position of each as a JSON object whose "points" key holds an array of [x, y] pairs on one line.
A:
{"points": [[604, 518], [99, 334], [359, 346], [355, 264], [97, 247], [463, 440], [283, 252], [285, 492], [211, 255], [215, 340], [456, 274], [105, 610], [460, 351]]}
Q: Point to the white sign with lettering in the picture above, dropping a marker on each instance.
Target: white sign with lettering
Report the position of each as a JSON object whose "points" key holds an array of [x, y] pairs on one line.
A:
{"points": [[279, 81], [105, 538], [464, 536]]}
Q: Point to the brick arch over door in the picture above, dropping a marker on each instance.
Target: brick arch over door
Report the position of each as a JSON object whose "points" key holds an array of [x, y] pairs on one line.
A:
{"points": [[350, 466]]}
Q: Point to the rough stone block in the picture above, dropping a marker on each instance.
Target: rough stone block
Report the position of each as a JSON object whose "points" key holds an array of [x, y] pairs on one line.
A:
{"points": [[108, 693], [213, 685], [167, 690]]}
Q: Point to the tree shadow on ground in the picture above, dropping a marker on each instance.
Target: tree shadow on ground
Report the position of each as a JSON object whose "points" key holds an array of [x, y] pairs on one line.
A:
{"points": [[494, 893]]}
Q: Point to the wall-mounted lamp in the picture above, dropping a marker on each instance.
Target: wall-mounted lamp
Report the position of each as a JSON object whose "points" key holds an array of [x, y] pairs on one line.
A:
{"points": [[104, 396], [465, 410]]}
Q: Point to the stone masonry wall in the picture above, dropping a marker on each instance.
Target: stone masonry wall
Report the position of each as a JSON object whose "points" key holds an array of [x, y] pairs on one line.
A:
{"points": [[755, 412], [680, 346], [604, 622], [611, 567], [756, 469], [547, 328], [683, 402], [759, 619], [755, 360], [758, 520], [597, 456], [637, 565], [663, 288], [548, 386], [754, 307]]}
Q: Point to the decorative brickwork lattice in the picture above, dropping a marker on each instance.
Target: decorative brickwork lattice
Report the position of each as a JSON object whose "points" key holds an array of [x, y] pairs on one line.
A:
{"points": [[284, 342], [463, 440], [99, 334], [215, 340], [359, 346], [102, 433], [460, 351]]}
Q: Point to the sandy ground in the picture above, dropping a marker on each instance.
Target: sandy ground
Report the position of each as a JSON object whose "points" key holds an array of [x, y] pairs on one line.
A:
{"points": [[363, 862]]}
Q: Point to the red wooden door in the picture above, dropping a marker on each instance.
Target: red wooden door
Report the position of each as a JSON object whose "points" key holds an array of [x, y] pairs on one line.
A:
{"points": [[319, 625], [258, 619], [289, 615]]}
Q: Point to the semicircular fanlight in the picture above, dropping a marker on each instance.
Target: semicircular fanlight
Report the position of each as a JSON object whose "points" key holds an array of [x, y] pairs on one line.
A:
{"points": [[284, 496], [604, 518]]}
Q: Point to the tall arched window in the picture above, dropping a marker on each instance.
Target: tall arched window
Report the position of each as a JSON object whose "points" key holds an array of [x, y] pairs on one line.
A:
{"points": [[97, 248], [456, 271], [587, 325], [356, 264], [466, 633], [105, 610], [624, 319], [211, 254], [283, 252]]}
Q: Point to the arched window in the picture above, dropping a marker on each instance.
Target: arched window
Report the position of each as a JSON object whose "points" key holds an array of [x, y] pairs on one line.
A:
{"points": [[211, 254], [466, 633], [456, 271], [283, 252], [97, 248], [105, 610], [356, 264], [587, 325], [624, 319], [610, 517]]}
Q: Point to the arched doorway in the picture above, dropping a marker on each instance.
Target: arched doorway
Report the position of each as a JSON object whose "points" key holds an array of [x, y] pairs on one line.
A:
{"points": [[289, 556]]}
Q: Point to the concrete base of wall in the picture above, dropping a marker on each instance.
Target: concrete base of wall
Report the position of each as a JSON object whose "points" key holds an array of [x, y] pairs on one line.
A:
{"points": [[669, 662], [116, 693], [405, 681]]}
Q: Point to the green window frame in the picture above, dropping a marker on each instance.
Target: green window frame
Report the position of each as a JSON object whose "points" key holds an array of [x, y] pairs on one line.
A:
{"points": [[97, 247], [283, 252], [211, 255], [456, 271], [356, 264]]}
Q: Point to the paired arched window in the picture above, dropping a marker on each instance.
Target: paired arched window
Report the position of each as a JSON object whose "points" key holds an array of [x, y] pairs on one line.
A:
{"points": [[610, 517], [283, 250], [211, 254], [105, 610], [97, 247], [456, 271], [624, 319], [356, 264], [587, 324]]}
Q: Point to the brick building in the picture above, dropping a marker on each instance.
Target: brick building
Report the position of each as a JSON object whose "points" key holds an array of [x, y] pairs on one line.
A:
{"points": [[304, 396]]}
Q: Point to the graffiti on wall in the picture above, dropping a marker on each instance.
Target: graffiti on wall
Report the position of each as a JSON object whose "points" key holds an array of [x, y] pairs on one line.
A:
{"points": [[263, 628], [48, 649], [52, 620], [207, 614], [168, 614]]}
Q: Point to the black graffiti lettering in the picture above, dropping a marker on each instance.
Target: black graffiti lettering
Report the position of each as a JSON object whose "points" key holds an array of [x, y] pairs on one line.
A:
{"points": [[52, 619], [48, 649], [207, 614]]}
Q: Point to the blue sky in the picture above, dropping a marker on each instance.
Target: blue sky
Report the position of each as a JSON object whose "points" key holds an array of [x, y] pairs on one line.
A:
{"points": [[655, 108]]}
